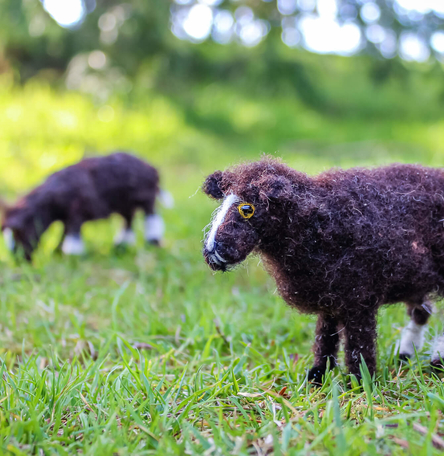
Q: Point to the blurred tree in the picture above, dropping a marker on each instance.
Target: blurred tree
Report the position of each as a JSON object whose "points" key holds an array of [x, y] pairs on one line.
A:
{"points": [[130, 31], [132, 41], [111, 44], [412, 28]]}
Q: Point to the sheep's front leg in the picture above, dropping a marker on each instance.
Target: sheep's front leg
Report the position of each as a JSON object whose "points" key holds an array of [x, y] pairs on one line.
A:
{"points": [[126, 236], [360, 340], [59, 247], [325, 347], [73, 244], [72, 240], [154, 229]]}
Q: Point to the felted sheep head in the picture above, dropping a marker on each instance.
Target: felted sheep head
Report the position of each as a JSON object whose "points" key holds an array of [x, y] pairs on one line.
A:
{"points": [[20, 230], [254, 198]]}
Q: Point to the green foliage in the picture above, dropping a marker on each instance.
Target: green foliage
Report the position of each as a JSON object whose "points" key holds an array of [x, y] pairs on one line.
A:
{"points": [[33, 40], [142, 52]]}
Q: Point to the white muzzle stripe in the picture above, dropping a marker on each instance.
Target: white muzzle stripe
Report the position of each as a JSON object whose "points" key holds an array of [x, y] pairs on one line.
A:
{"points": [[219, 219]]}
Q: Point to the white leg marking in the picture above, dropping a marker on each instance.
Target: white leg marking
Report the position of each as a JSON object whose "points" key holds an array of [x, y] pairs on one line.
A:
{"points": [[9, 238], [73, 245], [438, 349], [221, 212], [412, 338], [154, 227], [126, 236]]}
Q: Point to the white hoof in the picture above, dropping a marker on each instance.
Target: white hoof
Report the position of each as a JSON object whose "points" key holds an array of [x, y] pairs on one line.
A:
{"points": [[125, 237], [73, 245]]}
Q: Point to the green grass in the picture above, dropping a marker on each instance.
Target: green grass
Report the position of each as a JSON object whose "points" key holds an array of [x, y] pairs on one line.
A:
{"points": [[148, 352]]}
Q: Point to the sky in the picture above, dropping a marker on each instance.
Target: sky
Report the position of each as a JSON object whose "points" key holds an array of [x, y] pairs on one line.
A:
{"points": [[315, 28], [66, 12]]}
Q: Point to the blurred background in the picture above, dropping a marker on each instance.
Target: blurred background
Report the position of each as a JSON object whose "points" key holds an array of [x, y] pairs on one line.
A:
{"points": [[194, 85]]}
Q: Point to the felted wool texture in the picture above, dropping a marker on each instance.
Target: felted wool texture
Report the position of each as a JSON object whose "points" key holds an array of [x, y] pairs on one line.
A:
{"points": [[89, 190], [340, 244]]}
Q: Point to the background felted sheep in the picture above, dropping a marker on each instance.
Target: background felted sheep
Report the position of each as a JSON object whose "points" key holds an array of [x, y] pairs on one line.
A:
{"points": [[89, 190]]}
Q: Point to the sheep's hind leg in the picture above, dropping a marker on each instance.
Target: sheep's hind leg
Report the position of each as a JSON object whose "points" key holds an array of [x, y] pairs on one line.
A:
{"points": [[438, 353], [413, 334], [154, 225], [154, 229], [437, 359], [325, 347]]}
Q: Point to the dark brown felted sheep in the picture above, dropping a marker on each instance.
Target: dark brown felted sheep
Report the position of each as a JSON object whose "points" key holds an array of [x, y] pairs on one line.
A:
{"points": [[89, 190], [339, 245]]}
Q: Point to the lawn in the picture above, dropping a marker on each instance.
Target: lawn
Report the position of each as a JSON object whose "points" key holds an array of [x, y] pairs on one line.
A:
{"points": [[149, 352]]}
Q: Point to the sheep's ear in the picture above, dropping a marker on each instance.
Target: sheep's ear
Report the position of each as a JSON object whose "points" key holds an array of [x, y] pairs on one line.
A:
{"points": [[211, 186], [276, 188]]}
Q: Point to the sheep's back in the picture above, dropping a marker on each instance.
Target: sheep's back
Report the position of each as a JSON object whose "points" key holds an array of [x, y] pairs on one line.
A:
{"points": [[374, 236], [99, 186]]}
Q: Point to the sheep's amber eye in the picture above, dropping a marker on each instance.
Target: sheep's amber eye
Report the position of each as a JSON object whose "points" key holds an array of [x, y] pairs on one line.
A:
{"points": [[246, 210]]}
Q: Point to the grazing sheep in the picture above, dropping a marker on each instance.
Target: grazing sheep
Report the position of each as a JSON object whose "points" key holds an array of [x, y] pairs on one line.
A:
{"points": [[89, 190], [339, 245]]}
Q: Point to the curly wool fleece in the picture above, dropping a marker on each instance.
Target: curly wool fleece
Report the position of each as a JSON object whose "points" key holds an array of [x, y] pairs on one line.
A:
{"points": [[340, 245]]}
